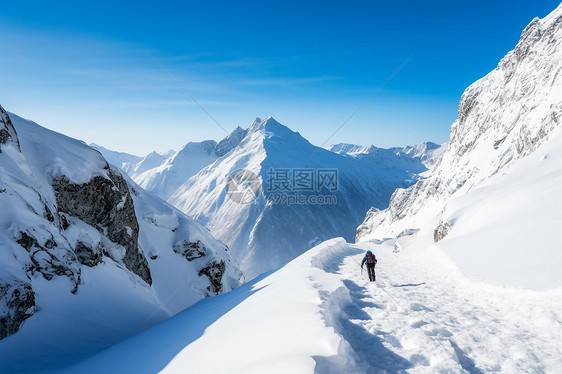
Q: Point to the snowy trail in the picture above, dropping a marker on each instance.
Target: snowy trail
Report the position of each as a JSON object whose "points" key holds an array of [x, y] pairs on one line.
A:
{"points": [[422, 310], [319, 314]]}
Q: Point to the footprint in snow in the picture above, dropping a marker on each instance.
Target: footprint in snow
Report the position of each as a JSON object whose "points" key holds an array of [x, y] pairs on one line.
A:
{"points": [[439, 331], [419, 324], [416, 307]]}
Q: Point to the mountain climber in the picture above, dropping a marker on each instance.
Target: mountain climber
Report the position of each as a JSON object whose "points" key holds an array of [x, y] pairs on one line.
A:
{"points": [[371, 261]]}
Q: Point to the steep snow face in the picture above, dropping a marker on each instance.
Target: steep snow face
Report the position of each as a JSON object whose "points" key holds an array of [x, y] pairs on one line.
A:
{"points": [[152, 160], [505, 231], [87, 257], [504, 116], [268, 233]]}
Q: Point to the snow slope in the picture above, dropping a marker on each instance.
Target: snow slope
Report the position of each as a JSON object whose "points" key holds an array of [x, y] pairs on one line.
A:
{"points": [[87, 258], [505, 230], [257, 232], [319, 314]]}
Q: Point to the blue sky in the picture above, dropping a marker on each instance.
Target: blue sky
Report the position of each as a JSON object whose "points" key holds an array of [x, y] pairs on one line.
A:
{"points": [[86, 68]]}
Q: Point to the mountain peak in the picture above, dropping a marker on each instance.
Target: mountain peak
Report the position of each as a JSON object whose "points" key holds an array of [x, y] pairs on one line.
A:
{"points": [[270, 125], [153, 154], [231, 141]]}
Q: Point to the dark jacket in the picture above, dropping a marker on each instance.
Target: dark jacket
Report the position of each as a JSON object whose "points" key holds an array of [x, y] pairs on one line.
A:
{"points": [[365, 259]]}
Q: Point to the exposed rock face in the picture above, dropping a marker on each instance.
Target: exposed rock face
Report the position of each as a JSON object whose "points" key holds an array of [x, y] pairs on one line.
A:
{"points": [[17, 303], [190, 250], [105, 203], [87, 255], [7, 130], [230, 142], [504, 116], [441, 231], [366, 226], [214, 271], [49, 260]]}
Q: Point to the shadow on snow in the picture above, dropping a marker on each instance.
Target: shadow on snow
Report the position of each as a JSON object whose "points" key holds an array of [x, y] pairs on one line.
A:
{"points": [[151, 350]]}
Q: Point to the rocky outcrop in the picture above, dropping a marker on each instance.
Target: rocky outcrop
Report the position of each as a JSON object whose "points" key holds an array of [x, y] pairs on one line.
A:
{"points": [[441, 231], [106, 204], [230, 142], [214, 271], [190, 250], [48, 259], [87, 255], [17, 303], [365, 227], [7, 130]]}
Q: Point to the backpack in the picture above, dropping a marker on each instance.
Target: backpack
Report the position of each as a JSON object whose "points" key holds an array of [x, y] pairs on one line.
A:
{"points": [[371, 259]]}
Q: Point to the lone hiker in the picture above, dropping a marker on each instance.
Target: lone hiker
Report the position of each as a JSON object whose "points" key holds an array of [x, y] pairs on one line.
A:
{"points": [[371, 261]]}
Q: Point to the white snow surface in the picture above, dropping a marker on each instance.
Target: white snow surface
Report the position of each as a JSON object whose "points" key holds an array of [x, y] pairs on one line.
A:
{"points": [[319, 314], [110, 302], [257, 233]]}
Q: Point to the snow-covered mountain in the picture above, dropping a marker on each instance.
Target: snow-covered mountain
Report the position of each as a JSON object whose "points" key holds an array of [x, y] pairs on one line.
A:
{"points": [[163, 174], [124, 161], [230, 142], [418, 158], [257, 232], [495, 193], [150, 161], [131, 164], [87, 257], [164, 179]]}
